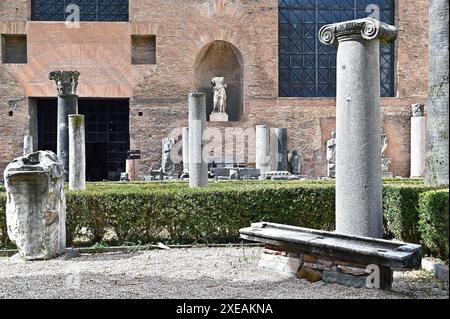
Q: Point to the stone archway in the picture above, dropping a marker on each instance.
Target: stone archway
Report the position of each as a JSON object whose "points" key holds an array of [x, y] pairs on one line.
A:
{"points": [[221, 58]]}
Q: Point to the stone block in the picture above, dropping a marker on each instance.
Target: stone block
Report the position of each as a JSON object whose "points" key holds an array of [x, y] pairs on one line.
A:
{"points": [[309, 274], [36, 207], [280, 264]]}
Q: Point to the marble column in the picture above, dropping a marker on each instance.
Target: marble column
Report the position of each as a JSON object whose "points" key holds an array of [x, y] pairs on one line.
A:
{"points": [[359, 201], [198, 165], [185, 138], [66, 83], [282, 148], [27, 145], [418, 141], [77, 152], [263, 149]]}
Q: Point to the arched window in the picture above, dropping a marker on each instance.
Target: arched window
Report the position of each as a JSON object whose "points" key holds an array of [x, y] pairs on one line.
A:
{"points": [[308, 68], [90, 10]]}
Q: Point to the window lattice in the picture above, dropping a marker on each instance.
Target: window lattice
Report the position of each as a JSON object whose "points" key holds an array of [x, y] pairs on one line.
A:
{"points": [[90, 10], [306, 67]]}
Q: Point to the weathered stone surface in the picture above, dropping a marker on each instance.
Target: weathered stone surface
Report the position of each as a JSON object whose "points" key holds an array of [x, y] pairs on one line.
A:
{"points": [[280, 263], [418, 145], [27, 145], [185, 150], [198, 166], [358, 161], [36, 208], [352, 270], [263, 149], [335, 246], [309, 274], [77, 152], [334, 277], [438, 269]]}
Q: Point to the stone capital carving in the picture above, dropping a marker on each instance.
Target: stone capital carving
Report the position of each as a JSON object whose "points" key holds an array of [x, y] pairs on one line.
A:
{"points": [[66, 81], [418, 110], [367, 29]]}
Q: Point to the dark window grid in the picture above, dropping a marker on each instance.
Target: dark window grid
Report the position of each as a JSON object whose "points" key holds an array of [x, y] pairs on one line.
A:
{"points": [[295, 40], [90, 10]]}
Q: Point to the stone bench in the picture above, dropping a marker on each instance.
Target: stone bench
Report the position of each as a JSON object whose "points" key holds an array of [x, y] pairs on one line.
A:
{"points": [[334, 258]]}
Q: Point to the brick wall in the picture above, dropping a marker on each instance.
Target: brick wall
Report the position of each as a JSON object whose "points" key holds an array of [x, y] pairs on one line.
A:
{"points": [[102, 52]]}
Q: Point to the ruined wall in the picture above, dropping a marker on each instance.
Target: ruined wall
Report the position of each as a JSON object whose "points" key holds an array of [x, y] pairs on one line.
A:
{"points": [[158, 93]]}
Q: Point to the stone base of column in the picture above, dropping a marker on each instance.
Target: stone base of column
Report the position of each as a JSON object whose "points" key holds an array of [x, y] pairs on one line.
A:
{"points": [[314, 268], [218, 117]]}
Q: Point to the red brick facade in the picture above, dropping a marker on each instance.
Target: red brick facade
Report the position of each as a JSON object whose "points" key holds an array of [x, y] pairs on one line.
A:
{"points": [[102, 53]]}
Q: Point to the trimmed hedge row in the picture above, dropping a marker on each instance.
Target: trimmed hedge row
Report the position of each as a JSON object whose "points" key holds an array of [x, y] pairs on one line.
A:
{"points": [[434, 221], [175, 214]]}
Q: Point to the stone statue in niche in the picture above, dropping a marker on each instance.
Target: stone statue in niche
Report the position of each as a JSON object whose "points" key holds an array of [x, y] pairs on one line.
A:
{"points": [[219, 113], [295, 161], [331, 156], [168, 166], [418, 110]]}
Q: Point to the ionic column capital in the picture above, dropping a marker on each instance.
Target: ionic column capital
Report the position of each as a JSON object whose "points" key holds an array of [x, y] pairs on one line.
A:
{"points": [[367, 29]]}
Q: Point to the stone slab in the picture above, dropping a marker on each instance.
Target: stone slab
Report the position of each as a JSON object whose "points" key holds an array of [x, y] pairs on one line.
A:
{"points": [[359, 250]]}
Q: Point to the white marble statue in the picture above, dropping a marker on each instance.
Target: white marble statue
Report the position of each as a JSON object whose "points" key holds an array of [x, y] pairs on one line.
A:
{"points": [[331, 156], [220, 95]]}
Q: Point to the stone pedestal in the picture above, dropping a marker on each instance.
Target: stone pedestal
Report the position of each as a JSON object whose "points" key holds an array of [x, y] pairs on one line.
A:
{"points": [[218, 117], [36, 207], [418, 146], [263, 149], [358, 159], [27, 145], [185, 150], [198, 165], [66, 83], [77, 153]]}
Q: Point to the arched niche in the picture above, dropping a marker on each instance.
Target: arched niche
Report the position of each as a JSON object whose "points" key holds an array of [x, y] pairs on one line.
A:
{"points": [[223, 59]]}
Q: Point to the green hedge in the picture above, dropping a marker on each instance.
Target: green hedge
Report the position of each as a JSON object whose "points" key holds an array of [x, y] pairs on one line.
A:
{"points": [[434, 222], [175, 214]]}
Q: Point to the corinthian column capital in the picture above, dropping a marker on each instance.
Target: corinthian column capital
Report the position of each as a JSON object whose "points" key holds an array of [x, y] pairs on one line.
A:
{"points": [[367, 29], [66, 81]]}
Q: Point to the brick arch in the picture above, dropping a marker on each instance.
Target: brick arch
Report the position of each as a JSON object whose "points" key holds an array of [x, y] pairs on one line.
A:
{"points": [[113, 75]]}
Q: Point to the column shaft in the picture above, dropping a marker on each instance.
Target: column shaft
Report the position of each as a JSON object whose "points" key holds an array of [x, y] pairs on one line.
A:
{"points": [[67, 105], [77, 153], [198, 166], [358, 151]]}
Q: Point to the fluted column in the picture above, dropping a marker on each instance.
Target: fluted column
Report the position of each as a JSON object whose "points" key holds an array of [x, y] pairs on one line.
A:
{"points": [[359, 208], [66, 83]]}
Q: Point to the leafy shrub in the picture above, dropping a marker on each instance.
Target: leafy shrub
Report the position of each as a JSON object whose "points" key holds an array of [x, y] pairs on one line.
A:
{"points": [[173, 213], [434, 222], [400, 211]]}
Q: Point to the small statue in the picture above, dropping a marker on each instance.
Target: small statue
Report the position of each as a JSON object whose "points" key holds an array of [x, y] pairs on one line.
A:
{"points": [[417, 110], [295, 161], [168, 165], [385, 165], [331, 155], [220, 95], [384, 142]]}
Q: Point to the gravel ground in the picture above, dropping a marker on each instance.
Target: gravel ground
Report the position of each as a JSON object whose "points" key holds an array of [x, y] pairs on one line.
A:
{"points": [[184, 273]]}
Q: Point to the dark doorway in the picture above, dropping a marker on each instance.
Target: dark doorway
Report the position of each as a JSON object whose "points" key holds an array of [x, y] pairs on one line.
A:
{"points": [[107, 134]]}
